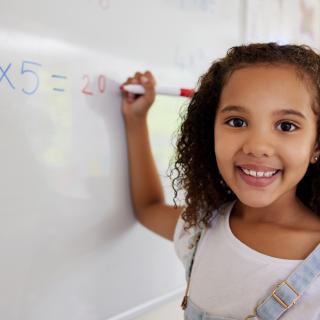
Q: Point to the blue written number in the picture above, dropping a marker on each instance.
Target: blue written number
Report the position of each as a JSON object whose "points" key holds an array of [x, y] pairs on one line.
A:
{"points": [[24, 70]]}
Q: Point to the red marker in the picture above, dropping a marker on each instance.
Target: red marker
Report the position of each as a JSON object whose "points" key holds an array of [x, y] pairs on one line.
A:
{"points": [[139, 89]]}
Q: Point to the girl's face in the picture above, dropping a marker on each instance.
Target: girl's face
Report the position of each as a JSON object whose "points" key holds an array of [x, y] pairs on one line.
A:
{"points": [[255, 129]]}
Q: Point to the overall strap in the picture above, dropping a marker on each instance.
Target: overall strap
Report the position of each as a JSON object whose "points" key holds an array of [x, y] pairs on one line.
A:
{"points": [[193, 246], [288, 292]]}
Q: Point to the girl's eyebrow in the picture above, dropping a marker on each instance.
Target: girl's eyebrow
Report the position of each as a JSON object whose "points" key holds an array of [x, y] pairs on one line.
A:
{"points": [[275, 113]]}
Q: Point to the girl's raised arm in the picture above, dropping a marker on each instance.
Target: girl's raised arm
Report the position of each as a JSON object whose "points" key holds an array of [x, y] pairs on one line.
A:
{"points": [[145, 186]]}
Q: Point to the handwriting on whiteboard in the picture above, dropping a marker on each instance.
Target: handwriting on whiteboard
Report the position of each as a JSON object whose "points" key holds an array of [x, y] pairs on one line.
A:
{"points": [[30, 72], [88, 89], [56, 76]]}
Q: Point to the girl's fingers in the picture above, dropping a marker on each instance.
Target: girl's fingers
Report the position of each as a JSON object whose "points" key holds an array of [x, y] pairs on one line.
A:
{"points": [[138, 76], [146, 79], [149, 75]]}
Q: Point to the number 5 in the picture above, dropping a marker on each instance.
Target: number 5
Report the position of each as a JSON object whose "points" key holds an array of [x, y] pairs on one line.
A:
{"points": [[24, 70]]}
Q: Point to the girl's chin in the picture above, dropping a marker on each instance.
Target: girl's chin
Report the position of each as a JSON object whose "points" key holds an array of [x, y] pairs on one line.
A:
{"points": [[254, 201]]}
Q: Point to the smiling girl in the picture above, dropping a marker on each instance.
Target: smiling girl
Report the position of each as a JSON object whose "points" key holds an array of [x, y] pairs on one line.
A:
{"points": [[247, 158]]}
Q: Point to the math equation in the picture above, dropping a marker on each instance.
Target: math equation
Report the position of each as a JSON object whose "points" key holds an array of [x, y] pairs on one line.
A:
{"points": [[30, 71]]}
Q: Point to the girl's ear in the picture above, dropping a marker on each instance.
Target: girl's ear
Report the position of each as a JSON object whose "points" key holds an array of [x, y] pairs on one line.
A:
{"points": [[316, 153], [315, 157]]}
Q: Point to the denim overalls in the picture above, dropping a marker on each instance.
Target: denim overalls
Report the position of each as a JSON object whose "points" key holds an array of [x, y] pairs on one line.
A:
{"points": [[283, 297]]}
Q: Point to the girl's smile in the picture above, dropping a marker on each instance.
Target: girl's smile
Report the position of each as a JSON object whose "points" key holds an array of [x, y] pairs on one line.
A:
{"points": [[258, 179], [258, 175]]}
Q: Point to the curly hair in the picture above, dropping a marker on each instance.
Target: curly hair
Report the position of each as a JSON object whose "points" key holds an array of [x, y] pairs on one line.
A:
{"points": [[194, 159]]}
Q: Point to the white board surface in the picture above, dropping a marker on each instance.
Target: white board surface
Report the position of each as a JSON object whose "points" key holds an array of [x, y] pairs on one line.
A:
{"points": [[70, 246]]}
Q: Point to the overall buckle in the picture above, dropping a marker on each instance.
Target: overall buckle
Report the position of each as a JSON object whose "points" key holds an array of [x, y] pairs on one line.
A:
{"points": [[279, 300]]}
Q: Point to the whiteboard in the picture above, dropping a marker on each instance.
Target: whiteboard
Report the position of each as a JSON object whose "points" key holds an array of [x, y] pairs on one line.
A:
{"points": [[70, 246], [283, 21]]}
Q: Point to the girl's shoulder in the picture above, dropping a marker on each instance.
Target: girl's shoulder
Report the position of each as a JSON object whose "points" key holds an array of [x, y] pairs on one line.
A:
{"points": [[186, 240]]}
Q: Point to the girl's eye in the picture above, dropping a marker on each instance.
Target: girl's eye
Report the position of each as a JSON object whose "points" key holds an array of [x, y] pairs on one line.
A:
{"points": [[285, 126], [237, 122]]}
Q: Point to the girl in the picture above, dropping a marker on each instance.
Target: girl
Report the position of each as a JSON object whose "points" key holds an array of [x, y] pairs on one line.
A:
{"points": [[247, 158]]}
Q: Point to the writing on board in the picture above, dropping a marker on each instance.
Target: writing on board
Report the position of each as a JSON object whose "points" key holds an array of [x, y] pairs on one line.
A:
{"points": [[101, 84], [5, 75], [30, 71], [56, 76]]}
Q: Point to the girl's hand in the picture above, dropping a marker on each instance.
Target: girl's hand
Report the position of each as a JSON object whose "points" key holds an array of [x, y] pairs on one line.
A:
{"points": [[136, 105]]}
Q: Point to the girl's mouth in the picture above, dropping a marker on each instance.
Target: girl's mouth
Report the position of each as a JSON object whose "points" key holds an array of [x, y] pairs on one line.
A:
{"points": [[258, 181]]}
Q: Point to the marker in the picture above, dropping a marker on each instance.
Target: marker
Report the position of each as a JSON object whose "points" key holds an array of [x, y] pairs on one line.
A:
{"points": [[139, 89]]}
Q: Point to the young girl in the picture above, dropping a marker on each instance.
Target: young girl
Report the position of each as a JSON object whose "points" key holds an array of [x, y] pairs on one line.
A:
{"points": [[247, 159]]}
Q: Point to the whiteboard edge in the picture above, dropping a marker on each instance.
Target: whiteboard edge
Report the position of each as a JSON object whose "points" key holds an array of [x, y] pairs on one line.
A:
{"points": [[148, 306]]}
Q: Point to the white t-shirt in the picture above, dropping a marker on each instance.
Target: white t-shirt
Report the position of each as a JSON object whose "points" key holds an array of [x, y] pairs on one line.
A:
{"points": [[229, 278]]}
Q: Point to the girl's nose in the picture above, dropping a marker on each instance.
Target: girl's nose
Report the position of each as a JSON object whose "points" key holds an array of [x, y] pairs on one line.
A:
{"points": [[258, 145]]}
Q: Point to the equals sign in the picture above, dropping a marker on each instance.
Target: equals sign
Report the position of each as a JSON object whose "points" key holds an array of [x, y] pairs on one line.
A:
{"points": [[58, 77]]}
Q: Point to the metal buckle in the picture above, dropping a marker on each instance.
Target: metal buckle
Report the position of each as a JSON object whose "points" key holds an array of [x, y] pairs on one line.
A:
{"points": [[281, 301]]}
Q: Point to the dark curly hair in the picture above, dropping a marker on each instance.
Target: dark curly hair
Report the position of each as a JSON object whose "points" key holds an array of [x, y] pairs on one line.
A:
{"points": [[194, 159]]}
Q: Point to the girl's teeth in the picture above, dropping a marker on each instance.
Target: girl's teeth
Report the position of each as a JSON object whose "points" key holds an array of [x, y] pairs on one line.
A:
{"points": [[258, 174]]}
